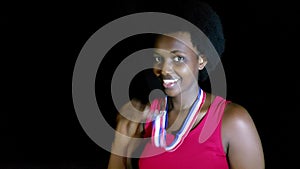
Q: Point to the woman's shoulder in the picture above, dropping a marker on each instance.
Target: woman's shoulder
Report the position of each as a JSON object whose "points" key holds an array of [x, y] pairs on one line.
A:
{"points": [[239, 134], [236, 120], [235, 112]]}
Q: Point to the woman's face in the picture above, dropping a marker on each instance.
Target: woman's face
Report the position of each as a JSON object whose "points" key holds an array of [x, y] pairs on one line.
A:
{"points": [[177, 63]]}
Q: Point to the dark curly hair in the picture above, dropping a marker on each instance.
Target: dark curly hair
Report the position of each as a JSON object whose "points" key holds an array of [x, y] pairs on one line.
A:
{"points": [[207, 20], [202, 15], [199, 13]]}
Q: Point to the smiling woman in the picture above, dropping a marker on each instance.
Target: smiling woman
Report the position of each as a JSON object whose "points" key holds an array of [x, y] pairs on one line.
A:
{"points": [[177, 63], [188, 127]]}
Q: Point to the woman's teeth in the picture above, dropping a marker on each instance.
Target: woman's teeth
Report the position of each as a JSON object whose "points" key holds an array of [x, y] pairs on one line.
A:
{"points": [[169, 82]]}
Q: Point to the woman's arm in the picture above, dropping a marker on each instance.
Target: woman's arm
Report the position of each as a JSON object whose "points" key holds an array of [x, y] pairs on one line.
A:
{"points": [[129, 127], [116, 161], [244, 145]]}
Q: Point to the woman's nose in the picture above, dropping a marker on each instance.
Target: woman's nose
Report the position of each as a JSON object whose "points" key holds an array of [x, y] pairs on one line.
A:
{"points": [[166, 68]]}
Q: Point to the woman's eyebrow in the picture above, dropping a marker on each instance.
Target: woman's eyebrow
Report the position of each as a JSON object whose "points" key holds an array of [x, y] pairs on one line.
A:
{"points": [[171, 52], [156, 53], [176, 51], [159, 51]]}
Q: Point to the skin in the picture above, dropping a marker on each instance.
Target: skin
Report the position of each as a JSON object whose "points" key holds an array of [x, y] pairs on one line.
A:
{"points": [[179, 59]]}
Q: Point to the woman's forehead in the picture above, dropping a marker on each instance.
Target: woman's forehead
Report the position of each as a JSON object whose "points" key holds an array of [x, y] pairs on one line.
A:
{"points": [[176, 41]]}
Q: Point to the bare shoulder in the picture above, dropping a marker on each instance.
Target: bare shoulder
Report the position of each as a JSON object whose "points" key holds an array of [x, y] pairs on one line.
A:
{"points": [[237, 122], [235, 114], [240, 138]]}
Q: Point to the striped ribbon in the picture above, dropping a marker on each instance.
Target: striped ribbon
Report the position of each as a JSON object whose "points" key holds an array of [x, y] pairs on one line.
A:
{"points": [[159, 132]]}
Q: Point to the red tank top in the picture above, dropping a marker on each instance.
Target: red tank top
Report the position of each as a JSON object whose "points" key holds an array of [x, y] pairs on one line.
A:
{"points": [[201, 149]]}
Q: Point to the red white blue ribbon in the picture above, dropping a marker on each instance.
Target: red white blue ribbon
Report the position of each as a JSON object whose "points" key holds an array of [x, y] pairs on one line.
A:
{"points": [[159, 132]]}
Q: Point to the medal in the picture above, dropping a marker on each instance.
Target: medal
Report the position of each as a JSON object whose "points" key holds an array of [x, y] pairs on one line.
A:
{"points": [[160, 122]]}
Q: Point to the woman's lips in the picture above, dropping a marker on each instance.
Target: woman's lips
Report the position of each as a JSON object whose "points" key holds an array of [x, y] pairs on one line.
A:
{"points": [[169, 83]]}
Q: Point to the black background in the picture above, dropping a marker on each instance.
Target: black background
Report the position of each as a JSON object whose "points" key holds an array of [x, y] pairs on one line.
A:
{"points": [[39, 126]]}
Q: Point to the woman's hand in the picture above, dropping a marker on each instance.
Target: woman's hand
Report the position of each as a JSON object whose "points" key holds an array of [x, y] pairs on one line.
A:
{"points": [[129, 127]]}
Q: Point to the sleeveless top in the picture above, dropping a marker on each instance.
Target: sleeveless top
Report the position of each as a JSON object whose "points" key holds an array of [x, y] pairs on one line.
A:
{"points": [[201, 149]]}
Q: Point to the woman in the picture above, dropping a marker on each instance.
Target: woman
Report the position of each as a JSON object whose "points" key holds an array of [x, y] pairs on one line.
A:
{"points": [[189, 128]]}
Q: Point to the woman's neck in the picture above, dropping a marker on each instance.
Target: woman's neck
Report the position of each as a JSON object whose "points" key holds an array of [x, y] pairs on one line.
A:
{"points": [[185, 100]]}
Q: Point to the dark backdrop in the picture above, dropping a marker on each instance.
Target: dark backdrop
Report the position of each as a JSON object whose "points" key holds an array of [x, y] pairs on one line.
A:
{"points": [[39, 126]]}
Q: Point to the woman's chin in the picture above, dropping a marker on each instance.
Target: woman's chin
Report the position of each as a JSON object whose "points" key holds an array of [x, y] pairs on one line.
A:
{"points": [[172, 91]]}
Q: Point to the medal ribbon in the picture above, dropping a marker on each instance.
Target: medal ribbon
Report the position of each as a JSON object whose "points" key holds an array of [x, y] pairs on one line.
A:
{"points": [[161, 120]]}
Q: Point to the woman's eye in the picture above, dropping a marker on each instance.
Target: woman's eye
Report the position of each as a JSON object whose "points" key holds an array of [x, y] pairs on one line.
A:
{"points": [[157, 59], [178, 58]]}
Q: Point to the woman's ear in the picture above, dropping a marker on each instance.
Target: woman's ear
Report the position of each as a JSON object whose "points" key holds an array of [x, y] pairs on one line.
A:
{"points": [[202, 61]]}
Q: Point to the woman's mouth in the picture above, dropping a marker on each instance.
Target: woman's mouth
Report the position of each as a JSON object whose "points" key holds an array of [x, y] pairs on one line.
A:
{"points": [[169, 83]]}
